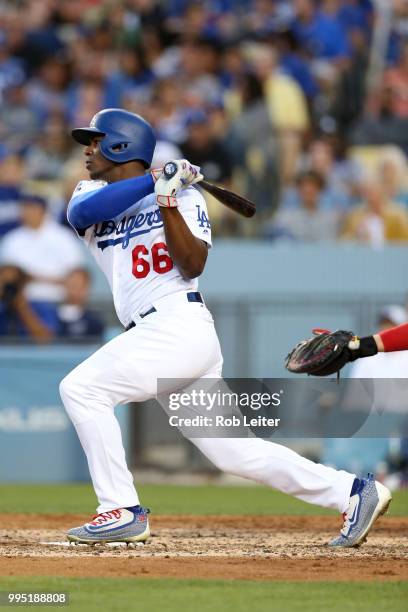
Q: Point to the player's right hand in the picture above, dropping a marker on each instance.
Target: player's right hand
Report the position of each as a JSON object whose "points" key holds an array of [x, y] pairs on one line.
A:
{"points": [[186, 174]]}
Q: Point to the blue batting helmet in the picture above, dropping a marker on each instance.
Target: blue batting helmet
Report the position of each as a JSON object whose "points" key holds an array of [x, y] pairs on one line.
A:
{"points": [[125, 136]]}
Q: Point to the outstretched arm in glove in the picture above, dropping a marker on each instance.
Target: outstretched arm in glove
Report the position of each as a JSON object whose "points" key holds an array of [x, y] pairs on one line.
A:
{"points": [[328, 352]]}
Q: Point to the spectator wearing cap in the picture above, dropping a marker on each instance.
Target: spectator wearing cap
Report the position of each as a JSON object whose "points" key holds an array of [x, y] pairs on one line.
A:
{"points": [[46, 252]]}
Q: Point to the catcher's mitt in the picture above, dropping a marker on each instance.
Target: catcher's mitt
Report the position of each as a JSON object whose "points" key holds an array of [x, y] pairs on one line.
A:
{"points": [[323, 354]]}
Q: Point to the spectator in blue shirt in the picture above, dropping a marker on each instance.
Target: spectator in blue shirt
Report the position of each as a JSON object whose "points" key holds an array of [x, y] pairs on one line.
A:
{"points": [[292, 62], [356, 14], [322, 34], [133, 76], [11, 175], [11, 68], [76, 321]]}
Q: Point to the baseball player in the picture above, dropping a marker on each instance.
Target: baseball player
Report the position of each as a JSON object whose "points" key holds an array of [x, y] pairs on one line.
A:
{"points": [[151, 236]]}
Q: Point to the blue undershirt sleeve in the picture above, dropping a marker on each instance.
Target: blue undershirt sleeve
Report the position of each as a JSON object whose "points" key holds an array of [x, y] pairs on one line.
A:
{"points": [[104, 203]]}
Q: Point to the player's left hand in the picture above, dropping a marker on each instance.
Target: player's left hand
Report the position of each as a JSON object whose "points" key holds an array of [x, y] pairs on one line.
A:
{"points": [[328, 352], [166, 188]]}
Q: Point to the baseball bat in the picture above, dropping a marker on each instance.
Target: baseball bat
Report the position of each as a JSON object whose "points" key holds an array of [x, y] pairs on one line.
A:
{"points": [[233, 201]]}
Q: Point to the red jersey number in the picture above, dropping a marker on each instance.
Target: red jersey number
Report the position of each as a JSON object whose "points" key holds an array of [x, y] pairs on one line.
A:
{"points": [[161, 260]]}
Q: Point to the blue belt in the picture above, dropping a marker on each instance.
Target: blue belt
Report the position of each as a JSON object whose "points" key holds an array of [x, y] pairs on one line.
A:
{"points": [[192, 296]]}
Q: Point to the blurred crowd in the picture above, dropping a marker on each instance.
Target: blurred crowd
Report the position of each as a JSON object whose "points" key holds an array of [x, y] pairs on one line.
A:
{"points": [[300, 105]]}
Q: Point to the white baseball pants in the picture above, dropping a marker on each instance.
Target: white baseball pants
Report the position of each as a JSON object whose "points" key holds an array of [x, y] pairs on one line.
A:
{"points": [[178, 341]]}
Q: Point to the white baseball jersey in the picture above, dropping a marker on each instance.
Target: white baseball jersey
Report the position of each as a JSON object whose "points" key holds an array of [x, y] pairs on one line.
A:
{"points": [[176, 343], [131, 250]]}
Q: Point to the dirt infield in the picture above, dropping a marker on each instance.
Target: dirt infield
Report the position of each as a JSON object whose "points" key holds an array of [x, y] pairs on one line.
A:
{"points": [[245, 547]]}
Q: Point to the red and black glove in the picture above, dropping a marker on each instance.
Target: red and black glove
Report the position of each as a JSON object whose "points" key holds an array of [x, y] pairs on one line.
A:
{"points": [[328, 352]]}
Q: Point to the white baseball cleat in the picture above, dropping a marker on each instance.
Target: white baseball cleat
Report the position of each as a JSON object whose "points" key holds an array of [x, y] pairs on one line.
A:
{"points": [[369, 499], [121, 525]]}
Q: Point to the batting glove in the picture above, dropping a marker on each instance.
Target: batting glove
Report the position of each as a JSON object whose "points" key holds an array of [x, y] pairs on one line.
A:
{"points": [[166, 188]]}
